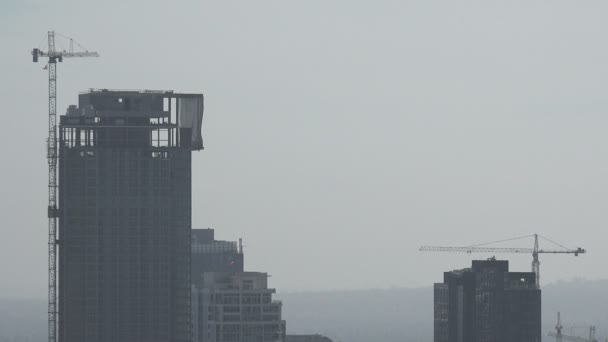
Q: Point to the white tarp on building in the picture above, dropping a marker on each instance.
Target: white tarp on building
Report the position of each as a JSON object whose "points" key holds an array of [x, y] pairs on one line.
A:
{"points": [[190, 115]]}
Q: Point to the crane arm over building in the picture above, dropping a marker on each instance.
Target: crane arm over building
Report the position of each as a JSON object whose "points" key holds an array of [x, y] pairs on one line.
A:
{"points": [[499, 250], [63, 54], [535, 251], [53, 54]]}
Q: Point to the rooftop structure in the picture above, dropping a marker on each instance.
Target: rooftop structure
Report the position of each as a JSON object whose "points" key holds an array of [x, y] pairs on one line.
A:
{"points": [[210, 255], [125, 215]]}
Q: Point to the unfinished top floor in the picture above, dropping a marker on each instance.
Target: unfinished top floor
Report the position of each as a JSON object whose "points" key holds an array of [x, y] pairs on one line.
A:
{"points": [[163, 118], [140, 103], [490, 273]]}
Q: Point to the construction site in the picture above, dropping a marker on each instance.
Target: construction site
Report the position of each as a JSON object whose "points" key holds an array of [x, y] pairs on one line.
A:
{"points": [[489, 303], [125, 265]]}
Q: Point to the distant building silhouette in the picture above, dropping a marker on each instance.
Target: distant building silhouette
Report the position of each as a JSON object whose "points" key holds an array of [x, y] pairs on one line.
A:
{"points": [[125, 216], [487, 303], [229, 304]]}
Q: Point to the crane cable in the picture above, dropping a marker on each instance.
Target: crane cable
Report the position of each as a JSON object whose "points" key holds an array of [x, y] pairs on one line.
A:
{"points": [[499, 241], [522, 237], [555, 243]]}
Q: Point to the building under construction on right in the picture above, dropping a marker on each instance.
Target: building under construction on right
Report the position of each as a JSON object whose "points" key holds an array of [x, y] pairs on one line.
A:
{"points": [[487, 303]]}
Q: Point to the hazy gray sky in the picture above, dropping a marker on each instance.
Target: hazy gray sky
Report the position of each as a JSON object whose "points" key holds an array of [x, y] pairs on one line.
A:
{"points": [[340, 135]]}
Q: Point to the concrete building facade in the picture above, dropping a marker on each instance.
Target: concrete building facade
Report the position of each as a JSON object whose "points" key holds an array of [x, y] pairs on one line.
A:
{"points": [[125, 216], [487, 303]]}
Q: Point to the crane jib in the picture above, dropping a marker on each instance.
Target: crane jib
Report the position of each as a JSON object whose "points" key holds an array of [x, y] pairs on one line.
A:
{"points": [[534, 251]]}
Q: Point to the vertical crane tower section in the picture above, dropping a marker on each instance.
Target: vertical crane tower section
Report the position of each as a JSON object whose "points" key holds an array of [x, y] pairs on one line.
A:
{"points": [[558, 328], [54, 56]]}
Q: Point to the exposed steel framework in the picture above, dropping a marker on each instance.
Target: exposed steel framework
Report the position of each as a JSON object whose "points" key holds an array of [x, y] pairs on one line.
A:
{"points": [[54, 56]]}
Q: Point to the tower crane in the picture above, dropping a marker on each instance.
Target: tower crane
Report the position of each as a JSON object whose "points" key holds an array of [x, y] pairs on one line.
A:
{"points": [[535, 251], [559, 337], [558, 328], [54, 55]]}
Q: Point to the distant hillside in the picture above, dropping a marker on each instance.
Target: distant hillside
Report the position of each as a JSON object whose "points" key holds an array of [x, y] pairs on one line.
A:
{"points": [[391, 315]]}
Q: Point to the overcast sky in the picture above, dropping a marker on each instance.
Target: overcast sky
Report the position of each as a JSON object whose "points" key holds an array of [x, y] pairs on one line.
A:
{"points": [[340, 135]]}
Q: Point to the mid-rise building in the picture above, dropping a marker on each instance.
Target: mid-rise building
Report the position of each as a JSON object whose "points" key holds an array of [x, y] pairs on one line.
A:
{"points": [[487, 303], [236, 307], [229, 304], [125, 216]]}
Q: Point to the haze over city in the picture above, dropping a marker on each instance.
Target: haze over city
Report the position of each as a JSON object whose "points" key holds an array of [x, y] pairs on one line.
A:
{"points": [[340, 136]]}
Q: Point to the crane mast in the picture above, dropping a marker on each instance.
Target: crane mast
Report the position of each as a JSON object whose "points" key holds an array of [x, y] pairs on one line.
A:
{"points": [[535, 261], [558, 328], [54, 56], [52, 208]]}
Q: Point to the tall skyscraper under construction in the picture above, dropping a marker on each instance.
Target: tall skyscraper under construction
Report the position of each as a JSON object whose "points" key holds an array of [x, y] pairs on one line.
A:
{"points": [[487, 303], [125, 216]]}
